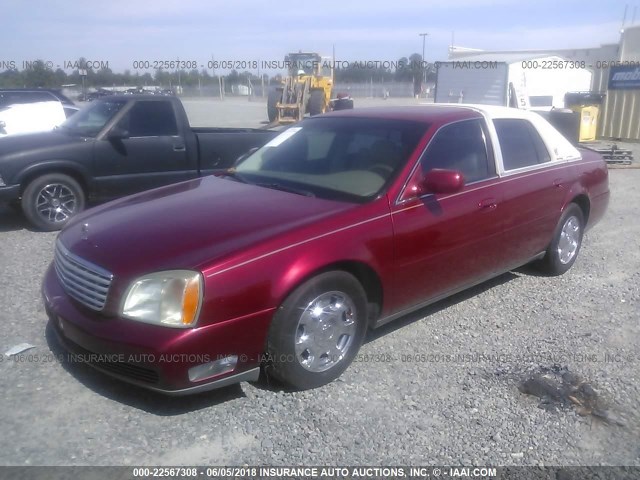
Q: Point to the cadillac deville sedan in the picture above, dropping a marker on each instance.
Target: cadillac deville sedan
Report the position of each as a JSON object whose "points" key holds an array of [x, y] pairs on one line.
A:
{"points": [[341, 223]]}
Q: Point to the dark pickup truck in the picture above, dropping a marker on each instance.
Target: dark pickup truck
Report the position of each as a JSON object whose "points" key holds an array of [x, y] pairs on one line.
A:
{"points": [[119, 145]]}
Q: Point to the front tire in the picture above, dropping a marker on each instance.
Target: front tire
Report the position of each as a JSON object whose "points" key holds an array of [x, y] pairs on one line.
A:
{"points": [[566, 242], [317, 331], [51, 200]]}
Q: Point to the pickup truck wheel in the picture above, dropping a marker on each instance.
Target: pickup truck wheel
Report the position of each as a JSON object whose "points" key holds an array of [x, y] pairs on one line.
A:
{"points": [[50, 201], [272, 100], [316, 103], [317, 331], [565, 245]]}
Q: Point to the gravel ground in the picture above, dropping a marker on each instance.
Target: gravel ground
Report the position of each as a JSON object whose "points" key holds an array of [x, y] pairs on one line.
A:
{"points": [[402, 402]]}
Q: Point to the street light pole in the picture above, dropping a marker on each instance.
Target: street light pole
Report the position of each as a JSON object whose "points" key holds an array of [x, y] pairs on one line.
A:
{"points": [[424, 74]]}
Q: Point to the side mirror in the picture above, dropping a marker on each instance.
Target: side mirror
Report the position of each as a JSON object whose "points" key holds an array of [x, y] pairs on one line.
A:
{"points": [[439, 180], [117, 133], [245, 155]]}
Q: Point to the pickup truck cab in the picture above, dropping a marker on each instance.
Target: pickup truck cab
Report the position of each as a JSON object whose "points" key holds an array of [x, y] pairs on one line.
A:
{"points": [[342, 222], [116, 146]]}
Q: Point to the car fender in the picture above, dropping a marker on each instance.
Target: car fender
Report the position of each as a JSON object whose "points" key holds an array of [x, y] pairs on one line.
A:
{"points": [[264, 281], [74, 169]]}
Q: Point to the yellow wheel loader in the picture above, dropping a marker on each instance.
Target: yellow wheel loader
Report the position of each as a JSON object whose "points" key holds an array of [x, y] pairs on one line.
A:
{"points": [[306, 89]]}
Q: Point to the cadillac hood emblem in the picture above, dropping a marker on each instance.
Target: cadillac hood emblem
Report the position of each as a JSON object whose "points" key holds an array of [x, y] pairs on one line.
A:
{"points": [[84, 231]]}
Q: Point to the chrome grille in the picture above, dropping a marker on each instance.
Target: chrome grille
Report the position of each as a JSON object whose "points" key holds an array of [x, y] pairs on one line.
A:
{"points": [[87, 283]]}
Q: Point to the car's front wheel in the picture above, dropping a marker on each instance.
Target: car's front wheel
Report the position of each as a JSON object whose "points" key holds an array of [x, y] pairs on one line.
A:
{"points": [[317, 331], [51, 200], [565, 244]]}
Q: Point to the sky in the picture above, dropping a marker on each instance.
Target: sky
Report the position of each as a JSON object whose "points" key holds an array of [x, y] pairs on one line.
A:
{"points": [[129, 33]]}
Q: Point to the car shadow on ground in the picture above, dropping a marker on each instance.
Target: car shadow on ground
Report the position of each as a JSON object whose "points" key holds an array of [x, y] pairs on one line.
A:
{"points": [[132, 395], [270, 384], [12, 220], [530, 270], [421, 314]]}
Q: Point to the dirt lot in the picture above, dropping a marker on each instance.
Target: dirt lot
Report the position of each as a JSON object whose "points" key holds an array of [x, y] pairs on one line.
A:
{"points": [[437, 387]]}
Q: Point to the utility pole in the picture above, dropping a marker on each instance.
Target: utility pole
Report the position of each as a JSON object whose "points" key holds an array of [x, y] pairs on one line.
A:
{"points": [[424, 69]]}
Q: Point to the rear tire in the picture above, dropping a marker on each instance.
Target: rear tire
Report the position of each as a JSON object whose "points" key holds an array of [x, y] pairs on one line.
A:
{"points": [[316, 103], [272, 100], [566, 242], [317, 331], [51, 200]]}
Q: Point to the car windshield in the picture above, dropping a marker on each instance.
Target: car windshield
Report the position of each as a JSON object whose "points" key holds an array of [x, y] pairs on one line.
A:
{"points": [[352, 159], [90, 120]]}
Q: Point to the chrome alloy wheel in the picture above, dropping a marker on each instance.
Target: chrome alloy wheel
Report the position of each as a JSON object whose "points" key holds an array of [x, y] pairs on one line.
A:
{"points": [[325, 331], [569, 240], [56, 202]]}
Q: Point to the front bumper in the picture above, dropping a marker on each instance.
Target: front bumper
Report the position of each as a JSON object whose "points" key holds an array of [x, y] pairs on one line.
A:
{"points": [[154, 357], [9, 193]]}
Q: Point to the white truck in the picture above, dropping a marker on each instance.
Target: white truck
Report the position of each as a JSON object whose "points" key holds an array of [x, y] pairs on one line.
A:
{"points": [[536, 82]]}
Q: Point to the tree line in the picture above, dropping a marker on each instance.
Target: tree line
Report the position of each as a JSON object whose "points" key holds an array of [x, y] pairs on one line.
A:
{"points": [[408, 69]]}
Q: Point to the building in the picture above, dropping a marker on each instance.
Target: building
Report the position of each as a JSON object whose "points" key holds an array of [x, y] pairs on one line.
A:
{"points": [[615, 72]]}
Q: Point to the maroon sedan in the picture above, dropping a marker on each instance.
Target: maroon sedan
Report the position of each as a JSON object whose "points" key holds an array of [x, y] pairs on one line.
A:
{"points": [[341, 223]]}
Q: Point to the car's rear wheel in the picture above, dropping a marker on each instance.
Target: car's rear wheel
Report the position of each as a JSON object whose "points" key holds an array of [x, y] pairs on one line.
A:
{"points": [[565, 244], [317, 331], [51, 200]]}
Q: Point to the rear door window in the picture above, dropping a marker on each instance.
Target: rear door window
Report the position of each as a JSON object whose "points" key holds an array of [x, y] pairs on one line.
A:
{"points": [[520, 143]]}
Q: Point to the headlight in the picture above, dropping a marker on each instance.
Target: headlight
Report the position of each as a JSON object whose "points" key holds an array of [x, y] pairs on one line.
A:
{"points": [[169, 298]]}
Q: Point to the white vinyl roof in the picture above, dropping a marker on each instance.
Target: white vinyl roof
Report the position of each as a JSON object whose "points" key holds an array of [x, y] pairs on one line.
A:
{"points": [[560, 148]]}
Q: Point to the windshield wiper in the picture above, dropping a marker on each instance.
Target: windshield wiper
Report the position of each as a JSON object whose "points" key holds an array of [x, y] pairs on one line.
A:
{"points": [[284, 188]]}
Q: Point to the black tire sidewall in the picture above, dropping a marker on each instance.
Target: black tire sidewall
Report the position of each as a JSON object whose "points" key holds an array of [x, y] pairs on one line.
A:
{"points": [[29, 198], [551, 262], [316, 102], [272, 100], [281, 355]]}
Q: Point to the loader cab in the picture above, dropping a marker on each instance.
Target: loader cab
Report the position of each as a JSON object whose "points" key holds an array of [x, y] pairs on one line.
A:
{"points": [[309, 63]]}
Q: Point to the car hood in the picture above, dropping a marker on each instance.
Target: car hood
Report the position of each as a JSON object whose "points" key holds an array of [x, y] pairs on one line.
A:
{"points": [[34, 142], [188, 225]]}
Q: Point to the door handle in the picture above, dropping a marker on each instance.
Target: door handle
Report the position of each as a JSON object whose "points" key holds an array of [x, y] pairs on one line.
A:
{"points": [[488, 204], [558, 182], [179, 148]]}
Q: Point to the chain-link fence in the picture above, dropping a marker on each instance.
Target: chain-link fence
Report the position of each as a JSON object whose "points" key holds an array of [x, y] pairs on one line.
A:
{"points": [[356, 90]]}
